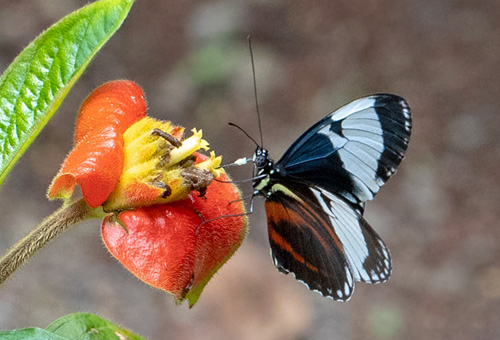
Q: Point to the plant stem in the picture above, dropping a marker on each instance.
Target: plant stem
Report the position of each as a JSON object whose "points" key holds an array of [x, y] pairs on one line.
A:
{"points": [[52, 226]]}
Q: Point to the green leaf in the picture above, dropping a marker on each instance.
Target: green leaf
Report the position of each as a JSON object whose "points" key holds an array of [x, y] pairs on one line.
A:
{"points": [[78, 326], [84, 326], [29, 334], [35, 84]]}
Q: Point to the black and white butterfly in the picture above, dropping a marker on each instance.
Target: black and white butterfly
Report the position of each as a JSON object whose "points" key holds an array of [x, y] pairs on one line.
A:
{"points": [[315, 194]]}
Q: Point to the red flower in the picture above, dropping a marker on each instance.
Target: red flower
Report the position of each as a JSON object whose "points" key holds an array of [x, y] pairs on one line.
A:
{"points": [[166, 245], [124, 160]]}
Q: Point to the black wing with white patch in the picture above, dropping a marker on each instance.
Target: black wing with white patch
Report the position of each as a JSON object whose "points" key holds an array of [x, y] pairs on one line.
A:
{"points": [[368, 257], [323, 240], [354, 150]]}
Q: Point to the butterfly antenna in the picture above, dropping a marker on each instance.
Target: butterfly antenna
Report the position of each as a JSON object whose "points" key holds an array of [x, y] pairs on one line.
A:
{"points": [[249, 39], [246, 133]]}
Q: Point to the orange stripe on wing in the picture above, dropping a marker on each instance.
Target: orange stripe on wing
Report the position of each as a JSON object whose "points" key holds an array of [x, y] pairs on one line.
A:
{"points": [[299, 213], [314, 215], [280, 242]]}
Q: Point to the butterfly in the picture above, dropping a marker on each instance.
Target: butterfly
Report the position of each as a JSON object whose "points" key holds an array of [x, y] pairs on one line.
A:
{"points": [[316, 192]]}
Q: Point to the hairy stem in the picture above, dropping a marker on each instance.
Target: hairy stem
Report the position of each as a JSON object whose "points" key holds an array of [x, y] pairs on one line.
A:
{"points": [[54, 225]]}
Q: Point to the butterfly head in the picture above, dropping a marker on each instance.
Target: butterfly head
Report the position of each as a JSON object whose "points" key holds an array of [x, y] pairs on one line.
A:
{"points": [[261, 160], [264, 169]]}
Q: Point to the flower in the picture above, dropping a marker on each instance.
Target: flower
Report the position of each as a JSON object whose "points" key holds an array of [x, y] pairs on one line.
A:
{"points": [[168, 247], [167, 219]]}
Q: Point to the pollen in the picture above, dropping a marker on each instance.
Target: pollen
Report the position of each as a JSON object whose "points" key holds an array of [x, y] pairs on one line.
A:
{"points": [[160, 167]]}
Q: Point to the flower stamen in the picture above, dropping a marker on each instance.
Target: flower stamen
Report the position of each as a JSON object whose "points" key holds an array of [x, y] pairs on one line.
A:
{"points": [[168, 137], [160, 167]]}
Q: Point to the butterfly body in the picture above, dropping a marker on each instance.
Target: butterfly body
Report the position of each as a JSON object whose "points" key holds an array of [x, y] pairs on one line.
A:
{"points": [[315, 194]]}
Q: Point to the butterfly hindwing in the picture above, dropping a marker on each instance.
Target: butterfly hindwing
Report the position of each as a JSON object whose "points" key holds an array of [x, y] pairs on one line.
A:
{"points": [[367, 255], [324, 241], [303, 242], [353, 151]]}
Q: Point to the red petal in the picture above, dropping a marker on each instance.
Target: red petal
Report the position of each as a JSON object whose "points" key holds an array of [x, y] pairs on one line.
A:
{"points": [[158, 246], [118, 103], [95, 163], [222, 236]]}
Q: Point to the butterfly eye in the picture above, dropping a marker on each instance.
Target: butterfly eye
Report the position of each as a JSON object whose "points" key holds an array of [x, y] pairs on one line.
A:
{"points": [[260, 161]]}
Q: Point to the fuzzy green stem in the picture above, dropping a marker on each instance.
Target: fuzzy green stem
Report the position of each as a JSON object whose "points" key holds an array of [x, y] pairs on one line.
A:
{"points": [[52, 226]]}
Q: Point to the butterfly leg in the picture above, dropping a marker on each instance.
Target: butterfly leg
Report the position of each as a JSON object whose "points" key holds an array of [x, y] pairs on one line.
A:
{"points": [[243, 180], [249, 212]]}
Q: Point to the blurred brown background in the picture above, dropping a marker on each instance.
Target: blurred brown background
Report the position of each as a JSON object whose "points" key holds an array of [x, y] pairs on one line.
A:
{"points": [[439, 214]]}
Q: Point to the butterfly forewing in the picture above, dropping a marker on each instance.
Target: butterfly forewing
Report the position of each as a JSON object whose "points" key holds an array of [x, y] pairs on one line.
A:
{"points": [[354, 150]]}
